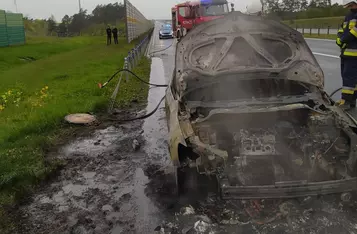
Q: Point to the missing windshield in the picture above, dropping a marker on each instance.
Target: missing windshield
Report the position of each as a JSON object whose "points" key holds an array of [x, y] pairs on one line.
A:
{"points": [[245, 89]]}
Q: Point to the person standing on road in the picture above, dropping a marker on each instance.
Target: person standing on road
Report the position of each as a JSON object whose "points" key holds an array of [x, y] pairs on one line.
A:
{"points": [[347, 41], [109, 36], [115, 35]]}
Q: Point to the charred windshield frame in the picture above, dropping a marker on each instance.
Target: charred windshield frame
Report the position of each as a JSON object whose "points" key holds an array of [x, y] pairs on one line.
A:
{"points": [[250, 90]]}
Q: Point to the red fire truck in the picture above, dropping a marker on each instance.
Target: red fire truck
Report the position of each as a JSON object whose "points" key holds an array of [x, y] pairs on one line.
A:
{"points": [[186, 15]]}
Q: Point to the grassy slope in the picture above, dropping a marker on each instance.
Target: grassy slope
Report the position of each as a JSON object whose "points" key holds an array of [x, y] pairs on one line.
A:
{"points": [[70, 69], [39, 48], [333, 22]]}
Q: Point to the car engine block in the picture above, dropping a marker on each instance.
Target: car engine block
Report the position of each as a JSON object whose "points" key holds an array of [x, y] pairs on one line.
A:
{"points": [[255, 142]]}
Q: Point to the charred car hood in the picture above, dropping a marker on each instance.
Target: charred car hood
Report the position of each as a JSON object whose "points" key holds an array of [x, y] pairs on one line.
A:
{"points": [[240, 45]]}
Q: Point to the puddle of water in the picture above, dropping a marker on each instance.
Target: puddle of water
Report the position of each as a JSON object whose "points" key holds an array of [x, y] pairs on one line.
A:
{"points": [[147, 218], [147, 215], [155, 128], [96, 144], [117, 230], [74, 189]]}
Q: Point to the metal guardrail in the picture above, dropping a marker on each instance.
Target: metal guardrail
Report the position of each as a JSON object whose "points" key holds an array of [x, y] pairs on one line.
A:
{"points": [[136, 26], [136, 23], [317, 30], [130, 62]]}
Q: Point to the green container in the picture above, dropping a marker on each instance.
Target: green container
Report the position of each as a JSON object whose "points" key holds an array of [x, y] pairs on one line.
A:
{"points": [[15, 29], [3, 30]]}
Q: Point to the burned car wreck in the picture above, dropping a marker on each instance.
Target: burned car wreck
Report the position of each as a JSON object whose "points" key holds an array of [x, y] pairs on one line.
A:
{"points": [[246, 106]]}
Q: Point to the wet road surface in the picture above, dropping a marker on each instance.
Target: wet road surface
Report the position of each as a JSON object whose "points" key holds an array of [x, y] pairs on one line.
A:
{"points": [[327, 54], [118, 179]]}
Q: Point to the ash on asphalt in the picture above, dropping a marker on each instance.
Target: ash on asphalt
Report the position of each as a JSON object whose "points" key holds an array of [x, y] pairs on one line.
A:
{"points": [[104, 186], [112, 185]]}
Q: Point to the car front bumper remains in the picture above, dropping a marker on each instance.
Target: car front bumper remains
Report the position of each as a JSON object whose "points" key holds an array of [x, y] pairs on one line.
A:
{"points": [[166, 35], [287, 190]]}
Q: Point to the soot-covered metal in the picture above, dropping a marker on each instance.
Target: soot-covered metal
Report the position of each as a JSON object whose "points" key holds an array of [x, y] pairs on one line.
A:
{"points": [[246, 106]]}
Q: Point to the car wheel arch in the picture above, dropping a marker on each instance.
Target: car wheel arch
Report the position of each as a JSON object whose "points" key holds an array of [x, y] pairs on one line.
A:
{"points": [[175, 134]]}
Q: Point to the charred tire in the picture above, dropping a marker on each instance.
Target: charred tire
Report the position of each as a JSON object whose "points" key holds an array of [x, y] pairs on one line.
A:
{"points": [[187, 180], [190, 182]]}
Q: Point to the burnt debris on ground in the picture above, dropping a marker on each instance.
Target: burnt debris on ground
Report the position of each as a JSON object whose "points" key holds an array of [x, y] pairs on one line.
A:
{"points": [[101, 189]]}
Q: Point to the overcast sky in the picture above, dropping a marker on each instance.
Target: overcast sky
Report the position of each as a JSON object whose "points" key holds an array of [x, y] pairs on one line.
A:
{"points": [[152, 9]]}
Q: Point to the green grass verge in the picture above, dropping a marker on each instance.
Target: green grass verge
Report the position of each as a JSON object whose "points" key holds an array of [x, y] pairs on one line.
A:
{"points": [[35, 97], [321, 36], [39, 48], [333, 22]]}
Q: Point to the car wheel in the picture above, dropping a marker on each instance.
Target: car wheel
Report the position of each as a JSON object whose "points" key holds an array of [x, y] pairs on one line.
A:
{"points": [[190, 182], [186, 181]]}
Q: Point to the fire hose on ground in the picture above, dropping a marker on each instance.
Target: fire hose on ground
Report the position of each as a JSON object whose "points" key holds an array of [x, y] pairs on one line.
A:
{"points": [[334, 92], [141, 80], [136, 76], [162, 49]]}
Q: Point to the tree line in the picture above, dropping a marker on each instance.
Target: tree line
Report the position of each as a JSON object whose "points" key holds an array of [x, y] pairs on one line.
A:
{"points": [[93, 23], [302, 9]]}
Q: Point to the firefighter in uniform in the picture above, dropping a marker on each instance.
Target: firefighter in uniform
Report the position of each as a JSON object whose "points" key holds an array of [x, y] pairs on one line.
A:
{"points": [[347, 41]]}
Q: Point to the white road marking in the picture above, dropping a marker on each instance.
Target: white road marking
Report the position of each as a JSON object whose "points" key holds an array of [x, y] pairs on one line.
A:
{"points": [[326, 55]]}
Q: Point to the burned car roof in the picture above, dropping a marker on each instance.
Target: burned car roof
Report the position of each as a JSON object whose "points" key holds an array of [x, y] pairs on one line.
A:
{"points": [[245, 44]]}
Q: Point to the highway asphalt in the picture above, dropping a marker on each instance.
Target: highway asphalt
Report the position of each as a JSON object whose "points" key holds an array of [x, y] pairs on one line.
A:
{"points": [[327, 54]]}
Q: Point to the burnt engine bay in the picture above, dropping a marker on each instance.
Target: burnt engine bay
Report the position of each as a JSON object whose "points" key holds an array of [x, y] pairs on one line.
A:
{"points": [[276, 147]]}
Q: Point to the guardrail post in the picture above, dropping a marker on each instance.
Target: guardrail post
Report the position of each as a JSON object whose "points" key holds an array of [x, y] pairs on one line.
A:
{"points": [[141, 48], [126, 67], [328, 30], [303, 30], [130, 61], [318, 31], [136, 56], [310, 31]]}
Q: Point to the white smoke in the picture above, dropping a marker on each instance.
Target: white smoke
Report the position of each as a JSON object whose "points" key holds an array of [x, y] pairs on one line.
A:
{"points": [[254, 7]]}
